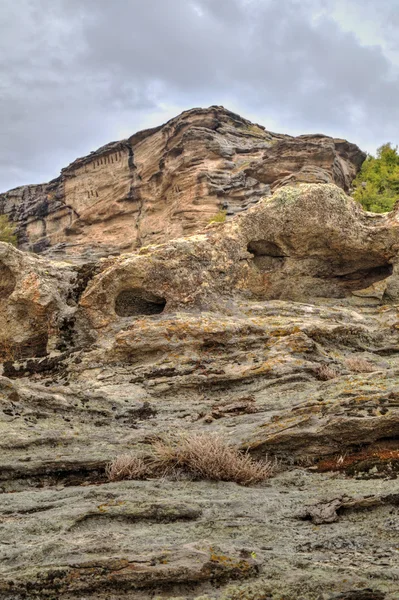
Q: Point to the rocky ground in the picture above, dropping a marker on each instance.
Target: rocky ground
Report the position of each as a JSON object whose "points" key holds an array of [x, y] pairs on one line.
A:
{"points": [[327, 522], [278, 331]]}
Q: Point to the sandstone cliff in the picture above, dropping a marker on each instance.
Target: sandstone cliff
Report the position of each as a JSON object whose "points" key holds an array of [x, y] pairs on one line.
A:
{"points": [[166, 182], [277, 330]]}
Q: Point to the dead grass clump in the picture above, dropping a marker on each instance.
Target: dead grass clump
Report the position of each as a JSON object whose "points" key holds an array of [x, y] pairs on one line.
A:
{"points": [[127, 466], [325, 372], [359, 365], [207, 456]]}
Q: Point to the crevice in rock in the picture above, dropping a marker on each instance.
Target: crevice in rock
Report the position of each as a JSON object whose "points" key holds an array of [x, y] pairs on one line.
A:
{"points": [[377, 460], [36, 365], [267, 255], [84, 275], [7, 281], [135, 302], [52, 475], [363, 278]]}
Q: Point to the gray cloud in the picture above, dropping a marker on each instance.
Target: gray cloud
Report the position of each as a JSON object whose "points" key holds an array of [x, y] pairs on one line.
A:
{"points": [[74, 75]]}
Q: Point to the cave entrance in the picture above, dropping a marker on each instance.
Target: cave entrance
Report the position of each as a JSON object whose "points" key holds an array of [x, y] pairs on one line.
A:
{"points": [[363, 278], [267, 255], [135, 302]]}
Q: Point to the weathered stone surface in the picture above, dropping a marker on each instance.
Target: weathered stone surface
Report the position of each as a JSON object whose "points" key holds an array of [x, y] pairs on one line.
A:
{"points": [[278, 331], [169, 181], [304, 242], [308, 159], [35, 298]]}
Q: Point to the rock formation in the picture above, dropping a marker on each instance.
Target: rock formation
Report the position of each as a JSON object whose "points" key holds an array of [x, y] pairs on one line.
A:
{"points": [[166, 182], [276, 330]]}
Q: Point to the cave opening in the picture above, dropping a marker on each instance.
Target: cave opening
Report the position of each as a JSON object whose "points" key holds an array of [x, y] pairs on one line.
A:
{"points": [[268, 256], [265, 248], [363, 278], [136, 302]]}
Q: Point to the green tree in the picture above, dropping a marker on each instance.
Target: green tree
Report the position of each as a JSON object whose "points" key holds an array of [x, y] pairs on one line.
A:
{"points": [[376, 186], [7, 231]]}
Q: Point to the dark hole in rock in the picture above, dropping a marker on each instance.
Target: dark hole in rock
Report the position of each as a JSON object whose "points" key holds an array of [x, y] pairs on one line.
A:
{"points": [[7, 281], [265, 248], [135, 302], [267, 255], [363, 278]]}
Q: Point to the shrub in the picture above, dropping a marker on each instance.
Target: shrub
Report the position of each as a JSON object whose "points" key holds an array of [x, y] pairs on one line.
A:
{"points": [[208, 456], [325, 372], [359, 365], [127, 466], [7, 231], [376, 186], [220, 217], [199, 455]]}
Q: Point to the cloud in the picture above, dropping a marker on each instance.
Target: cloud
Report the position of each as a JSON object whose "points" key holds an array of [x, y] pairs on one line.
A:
{"points": [[74, 75]]}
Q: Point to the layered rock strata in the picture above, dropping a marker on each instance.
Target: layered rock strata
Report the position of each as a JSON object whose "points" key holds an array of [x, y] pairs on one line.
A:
{"points": [[166, 182], [277, 331]]}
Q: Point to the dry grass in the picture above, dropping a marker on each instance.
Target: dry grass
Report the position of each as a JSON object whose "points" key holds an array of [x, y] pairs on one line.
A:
{"points": [[127, 466], [359, 365], [325, 372], [199, 455], [207, 456]]}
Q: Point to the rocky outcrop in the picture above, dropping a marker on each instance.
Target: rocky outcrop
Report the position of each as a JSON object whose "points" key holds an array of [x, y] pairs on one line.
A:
{"points": [[277, 331], [35, 299], [308, 159], [303, 242], [166, 182]]}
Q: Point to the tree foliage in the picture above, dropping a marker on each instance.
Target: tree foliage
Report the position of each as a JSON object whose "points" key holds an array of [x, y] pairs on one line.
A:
{"points": [[377, 183], [7, 231]]}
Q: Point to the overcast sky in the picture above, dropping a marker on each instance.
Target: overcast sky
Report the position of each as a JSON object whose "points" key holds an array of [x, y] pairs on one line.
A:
{"points": [[76, 74]]}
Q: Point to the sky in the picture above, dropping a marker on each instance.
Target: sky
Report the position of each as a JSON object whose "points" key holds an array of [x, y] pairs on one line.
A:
{"points": [[77, 74]]}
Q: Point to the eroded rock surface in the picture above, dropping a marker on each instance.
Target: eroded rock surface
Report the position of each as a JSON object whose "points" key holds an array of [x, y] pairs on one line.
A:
{"points": [[277, 330], [169, 181]]}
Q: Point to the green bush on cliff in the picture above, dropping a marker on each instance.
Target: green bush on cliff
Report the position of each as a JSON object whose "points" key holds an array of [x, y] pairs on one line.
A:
{"points": [[377, 183], [220, 217], [7, 231]]}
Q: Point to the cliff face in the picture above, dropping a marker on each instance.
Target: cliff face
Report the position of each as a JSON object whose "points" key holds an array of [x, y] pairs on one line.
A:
{"points": [[169, 181], [276, 331]]}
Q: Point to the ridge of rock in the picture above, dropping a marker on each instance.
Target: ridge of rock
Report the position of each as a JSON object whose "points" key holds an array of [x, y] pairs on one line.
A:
{"points": [[168, 181]]}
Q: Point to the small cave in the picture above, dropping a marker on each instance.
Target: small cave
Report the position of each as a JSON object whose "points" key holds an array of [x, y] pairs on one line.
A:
{"points": [[136, 302], [7, 281], [267, 255], [363, 278]]}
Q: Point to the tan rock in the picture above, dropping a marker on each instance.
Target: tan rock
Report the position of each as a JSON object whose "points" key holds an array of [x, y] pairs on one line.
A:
{"points": [[304, 242], [33, 302], [169, 181]]}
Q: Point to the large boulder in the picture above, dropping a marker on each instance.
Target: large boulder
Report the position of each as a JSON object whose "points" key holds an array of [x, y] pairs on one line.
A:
{"points": [[304, 242]]}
